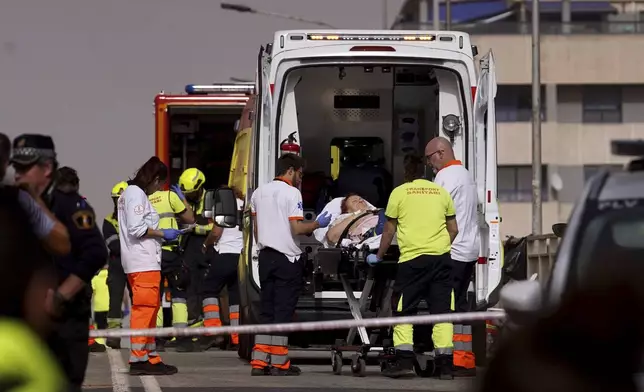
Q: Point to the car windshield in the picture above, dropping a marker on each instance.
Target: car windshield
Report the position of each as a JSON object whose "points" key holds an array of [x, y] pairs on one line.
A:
{"points": [[611, 237]]}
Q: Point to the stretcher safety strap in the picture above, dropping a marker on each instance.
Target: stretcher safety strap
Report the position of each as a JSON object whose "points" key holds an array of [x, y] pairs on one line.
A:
{"points": [[296, 327]]}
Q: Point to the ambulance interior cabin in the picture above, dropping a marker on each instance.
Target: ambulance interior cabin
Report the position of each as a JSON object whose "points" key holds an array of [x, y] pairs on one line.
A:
{"points": [[356, 123], [202, 137]]}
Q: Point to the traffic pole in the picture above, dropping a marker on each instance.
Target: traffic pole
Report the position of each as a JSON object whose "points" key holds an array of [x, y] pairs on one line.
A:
{"points": [[536, 121]]}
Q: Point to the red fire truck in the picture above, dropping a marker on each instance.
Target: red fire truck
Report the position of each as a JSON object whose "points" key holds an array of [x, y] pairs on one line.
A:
{"points": [[197, 128]]}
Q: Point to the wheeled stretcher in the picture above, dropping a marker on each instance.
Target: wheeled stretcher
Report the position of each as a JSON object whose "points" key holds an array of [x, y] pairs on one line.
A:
{"points": [[348, 266]]}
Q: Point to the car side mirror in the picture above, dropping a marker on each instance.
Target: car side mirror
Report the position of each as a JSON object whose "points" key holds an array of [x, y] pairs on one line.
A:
{"points": [[521, 300], [221, 206], [559, 229]]}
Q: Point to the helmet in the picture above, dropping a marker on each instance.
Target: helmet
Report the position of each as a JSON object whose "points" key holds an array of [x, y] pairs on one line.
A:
{"points": [[119, 188], [191, 180]]}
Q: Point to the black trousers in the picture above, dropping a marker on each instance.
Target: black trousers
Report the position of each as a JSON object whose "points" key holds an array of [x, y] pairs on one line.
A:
{"points": [[197, 263], [222, 273], [68, 340], [461, 276], [426, 277], [116, 283], [171, 262], [281, 285]]}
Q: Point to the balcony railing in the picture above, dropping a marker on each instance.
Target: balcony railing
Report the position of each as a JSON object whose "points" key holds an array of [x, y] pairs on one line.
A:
{"points": [[546, 27]]}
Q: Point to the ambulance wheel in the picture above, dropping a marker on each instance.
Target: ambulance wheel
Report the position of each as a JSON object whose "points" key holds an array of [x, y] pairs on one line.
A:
{"points": [[336, 362], [359, 367]]}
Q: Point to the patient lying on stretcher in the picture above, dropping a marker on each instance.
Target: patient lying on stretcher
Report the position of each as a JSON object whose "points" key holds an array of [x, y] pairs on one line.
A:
{"points": [[366, 227]]}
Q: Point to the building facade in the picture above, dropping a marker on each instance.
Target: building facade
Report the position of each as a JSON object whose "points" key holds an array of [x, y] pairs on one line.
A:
{"points": [[592, 93]]}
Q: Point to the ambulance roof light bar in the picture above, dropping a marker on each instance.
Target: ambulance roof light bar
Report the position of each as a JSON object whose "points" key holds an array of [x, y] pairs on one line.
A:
{"points": [[370, 37], [234, 88]]}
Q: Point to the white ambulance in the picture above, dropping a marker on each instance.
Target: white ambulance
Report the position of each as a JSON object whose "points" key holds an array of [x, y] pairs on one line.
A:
{"points": [[378, 95]]}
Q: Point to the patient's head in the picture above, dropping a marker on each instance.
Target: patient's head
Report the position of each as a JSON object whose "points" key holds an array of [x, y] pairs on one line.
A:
{"points": [[352, 203]]}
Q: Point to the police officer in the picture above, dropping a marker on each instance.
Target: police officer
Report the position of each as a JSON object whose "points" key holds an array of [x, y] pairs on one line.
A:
{"points": [[27, 364], [191, 183], [170, 204], [116, 278], [51, 232], [422, 215], [278, 217], [34, 161]]}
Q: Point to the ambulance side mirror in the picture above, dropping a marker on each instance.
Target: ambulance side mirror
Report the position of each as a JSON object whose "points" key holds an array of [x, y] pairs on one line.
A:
{"points": [[221, 206]]}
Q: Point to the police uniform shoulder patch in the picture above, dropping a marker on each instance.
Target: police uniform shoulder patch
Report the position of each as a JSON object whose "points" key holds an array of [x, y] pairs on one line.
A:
{"points": [[84, 219]]}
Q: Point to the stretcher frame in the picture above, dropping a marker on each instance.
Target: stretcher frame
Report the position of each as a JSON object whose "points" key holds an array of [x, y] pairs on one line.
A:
{"points": [[328, 261]]}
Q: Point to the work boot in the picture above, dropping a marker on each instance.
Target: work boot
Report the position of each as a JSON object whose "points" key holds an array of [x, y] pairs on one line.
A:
{"points": [[445, 367], [170, 343], [265, 371], [148, 369], [114, 343], [401, 366], [460, 371], [160, 344], [208, 342], [186, 345], [291, 371], [96, 347]]}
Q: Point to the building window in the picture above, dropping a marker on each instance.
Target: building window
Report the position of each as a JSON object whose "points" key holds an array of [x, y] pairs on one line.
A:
{"points": [[602, 104], [514, 103], [515, 183], [591, 170]]}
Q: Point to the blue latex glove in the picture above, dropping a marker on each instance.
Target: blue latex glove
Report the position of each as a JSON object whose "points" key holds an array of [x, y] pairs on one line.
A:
{"points": [[170, 234], [373, 259], [176, 189], [324, 219]]}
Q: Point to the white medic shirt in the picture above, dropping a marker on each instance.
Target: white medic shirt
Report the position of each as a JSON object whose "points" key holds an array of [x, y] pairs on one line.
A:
{"points": [[231, 240], [135, 216], [274, 205], [455, 178]]}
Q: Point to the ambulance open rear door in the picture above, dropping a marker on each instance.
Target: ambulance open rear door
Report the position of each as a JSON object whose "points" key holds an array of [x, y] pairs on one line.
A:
{"points": [[490, 263]]}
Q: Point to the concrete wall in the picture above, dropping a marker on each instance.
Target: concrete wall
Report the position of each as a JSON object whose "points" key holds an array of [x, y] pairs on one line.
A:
{"points": [[568, 59], [86, 71]]}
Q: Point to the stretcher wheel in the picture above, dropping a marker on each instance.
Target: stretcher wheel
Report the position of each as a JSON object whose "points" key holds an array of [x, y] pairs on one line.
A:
{"points": [[359, 367], [336, 362], [428, 371]]}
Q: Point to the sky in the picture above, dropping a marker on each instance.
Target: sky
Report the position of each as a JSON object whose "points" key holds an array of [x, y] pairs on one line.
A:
{"points": [[86, 71]]}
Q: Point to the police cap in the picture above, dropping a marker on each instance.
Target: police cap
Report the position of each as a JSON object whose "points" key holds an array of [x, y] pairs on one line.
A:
{"points": [[31, 148]]}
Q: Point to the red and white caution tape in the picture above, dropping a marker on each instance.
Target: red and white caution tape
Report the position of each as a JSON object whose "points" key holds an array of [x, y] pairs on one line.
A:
{"points": [[296, 327]]}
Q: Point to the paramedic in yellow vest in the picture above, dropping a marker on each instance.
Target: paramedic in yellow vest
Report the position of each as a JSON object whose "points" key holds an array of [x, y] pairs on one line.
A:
{"points": [[192, 182], [116, 278], [100, 308], [422, 216], [169, 205]]}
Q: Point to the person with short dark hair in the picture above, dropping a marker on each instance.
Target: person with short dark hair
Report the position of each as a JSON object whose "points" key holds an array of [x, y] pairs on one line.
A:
{"points": [[140, 239], [34, 160], [422, 216], [277, 218]]}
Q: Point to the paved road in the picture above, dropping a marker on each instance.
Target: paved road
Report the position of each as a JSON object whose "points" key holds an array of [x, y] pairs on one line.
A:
{"points": [[221, 371]]}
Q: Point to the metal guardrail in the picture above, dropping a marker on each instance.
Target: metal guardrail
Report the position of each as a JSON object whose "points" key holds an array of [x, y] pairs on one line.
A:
{"points": [[541, 251]]}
